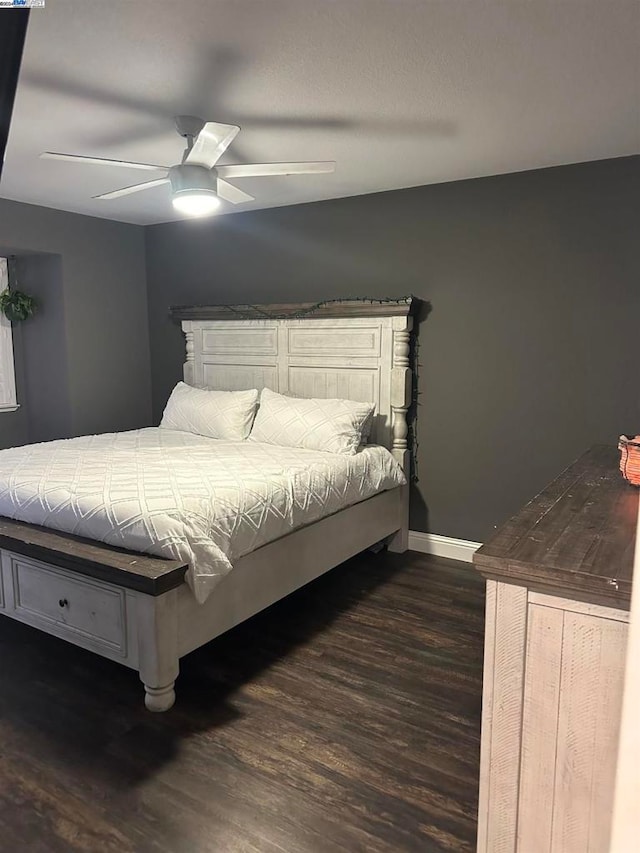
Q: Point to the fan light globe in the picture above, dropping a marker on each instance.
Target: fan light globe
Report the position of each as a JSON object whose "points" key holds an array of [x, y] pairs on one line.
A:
{"points": [[196, 202]]}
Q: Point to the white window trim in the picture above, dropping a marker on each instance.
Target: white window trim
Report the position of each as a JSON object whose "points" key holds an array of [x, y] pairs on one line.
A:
{"points": [[8, 399]]}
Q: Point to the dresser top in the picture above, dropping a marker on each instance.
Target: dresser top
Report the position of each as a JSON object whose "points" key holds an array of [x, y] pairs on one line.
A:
{"points": [[575, 539]]}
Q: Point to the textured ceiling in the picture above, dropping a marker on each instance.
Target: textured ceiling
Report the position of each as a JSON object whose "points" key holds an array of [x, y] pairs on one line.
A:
{"points": [[399, 93]]}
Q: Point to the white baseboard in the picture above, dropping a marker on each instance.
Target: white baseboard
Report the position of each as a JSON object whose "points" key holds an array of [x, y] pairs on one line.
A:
{"points": [[442, 546]]}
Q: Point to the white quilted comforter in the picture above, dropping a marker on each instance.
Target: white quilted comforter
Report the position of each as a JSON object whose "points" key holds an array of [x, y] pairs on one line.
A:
{"points": [[182, 496]]}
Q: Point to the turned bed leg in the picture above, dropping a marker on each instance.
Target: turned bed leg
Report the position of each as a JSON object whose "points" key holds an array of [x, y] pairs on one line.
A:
{"points": [[159, 699], [157, 622]]}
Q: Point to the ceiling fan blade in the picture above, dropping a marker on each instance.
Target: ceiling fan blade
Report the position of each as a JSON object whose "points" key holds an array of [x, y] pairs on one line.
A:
{"points": [[211, 143], [136, 188], [101, 161], [230, 193], [258, 170]]}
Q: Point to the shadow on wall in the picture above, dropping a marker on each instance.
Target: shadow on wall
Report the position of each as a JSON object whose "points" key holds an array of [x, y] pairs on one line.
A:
{"points": [[419, 511]]}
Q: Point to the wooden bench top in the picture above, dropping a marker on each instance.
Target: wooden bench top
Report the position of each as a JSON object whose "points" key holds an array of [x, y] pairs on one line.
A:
{"points": [[141, 572], [575, 539]]}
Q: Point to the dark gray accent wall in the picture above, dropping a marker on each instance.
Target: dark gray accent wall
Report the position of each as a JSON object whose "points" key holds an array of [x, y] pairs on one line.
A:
{"points": [[85, 357], [530, 354]]}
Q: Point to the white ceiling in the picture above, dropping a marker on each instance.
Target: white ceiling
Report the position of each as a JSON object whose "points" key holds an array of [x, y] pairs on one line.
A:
{"points": [[399, 93]]}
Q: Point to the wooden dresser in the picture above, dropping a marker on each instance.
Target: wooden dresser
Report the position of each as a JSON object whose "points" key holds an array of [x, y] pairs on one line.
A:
{"points": [[558, 591]]}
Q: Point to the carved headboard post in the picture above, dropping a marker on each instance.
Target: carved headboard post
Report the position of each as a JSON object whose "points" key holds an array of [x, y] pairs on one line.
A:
{"points": [[401, 390], [188, 369]]}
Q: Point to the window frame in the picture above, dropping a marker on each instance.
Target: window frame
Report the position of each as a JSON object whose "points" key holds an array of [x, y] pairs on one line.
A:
{"points": [[8, 399]]}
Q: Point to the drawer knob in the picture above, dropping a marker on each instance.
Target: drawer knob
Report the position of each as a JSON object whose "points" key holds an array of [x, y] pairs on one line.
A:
{"points": [[63, 602]]}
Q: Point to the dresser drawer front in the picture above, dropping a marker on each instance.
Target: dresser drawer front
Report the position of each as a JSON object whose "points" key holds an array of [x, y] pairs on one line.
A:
{"points": [[84, 611]]}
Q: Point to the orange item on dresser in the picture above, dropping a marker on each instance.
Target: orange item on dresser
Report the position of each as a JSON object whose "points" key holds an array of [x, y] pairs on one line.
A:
{"points": [[630, 458]]}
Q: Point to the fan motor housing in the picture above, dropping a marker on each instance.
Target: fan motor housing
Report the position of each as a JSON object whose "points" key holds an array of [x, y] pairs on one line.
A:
{"points": [[192, 178], [189, 126]]}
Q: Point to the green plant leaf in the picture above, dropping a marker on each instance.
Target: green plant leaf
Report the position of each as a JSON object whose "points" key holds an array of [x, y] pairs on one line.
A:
{"points": [[16, 305]]}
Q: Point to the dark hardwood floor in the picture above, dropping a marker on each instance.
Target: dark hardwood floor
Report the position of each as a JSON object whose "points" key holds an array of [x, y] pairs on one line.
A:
{"points": [[345, 718]]}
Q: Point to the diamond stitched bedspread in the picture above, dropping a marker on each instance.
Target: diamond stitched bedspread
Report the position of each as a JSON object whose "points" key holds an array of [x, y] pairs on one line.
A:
{"points": [[182, 496]]}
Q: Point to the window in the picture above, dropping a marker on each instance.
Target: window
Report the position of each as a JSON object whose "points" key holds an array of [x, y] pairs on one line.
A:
{"points": [[8, 401]]}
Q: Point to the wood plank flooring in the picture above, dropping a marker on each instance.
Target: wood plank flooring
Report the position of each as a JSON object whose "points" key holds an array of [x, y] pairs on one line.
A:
{"points": [[345, 718]]}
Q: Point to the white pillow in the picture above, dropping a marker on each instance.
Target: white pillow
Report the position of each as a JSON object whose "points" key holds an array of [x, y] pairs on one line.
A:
{"points": [[216, 414], [334, 426]]}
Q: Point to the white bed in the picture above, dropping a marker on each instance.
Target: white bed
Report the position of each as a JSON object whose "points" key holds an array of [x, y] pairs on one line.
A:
{"points": [[183, 496], [246, 522]]}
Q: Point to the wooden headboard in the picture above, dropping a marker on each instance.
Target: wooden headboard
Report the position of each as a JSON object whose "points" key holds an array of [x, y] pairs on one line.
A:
{"points": [[351, 350]]}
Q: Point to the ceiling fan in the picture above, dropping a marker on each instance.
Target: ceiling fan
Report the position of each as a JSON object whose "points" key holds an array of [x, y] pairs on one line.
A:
{"points": [[197, 183]]}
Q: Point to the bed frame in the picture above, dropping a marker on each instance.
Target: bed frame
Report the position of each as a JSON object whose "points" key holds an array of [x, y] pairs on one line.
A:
{"points": [[137, 609]]}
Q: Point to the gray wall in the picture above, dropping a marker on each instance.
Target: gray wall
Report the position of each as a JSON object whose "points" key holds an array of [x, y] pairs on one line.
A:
{"points": [[43, 386], [14, 426], [91, 281], [530, 354]]}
